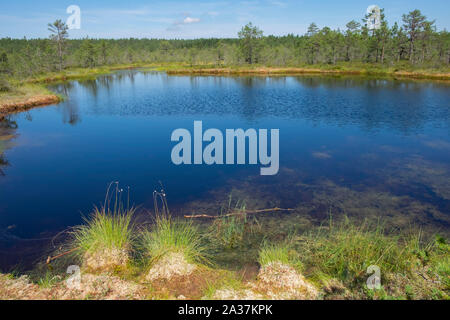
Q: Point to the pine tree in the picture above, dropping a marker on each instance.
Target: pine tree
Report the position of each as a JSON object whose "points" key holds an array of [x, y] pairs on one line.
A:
{"points": [[59, 36], [413, 26], [250, 43]]}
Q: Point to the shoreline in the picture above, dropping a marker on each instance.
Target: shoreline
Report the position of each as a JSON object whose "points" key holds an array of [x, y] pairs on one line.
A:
{"points": [[21, 99], [42, 96], [309, 71], [28, 103], [173, 262]]}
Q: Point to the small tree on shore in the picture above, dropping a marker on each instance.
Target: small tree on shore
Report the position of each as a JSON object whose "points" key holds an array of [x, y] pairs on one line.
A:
{"points": [[59, 36]]}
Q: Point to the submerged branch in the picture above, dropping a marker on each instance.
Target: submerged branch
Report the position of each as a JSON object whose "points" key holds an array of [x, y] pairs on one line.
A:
{"points": [[195, 216], [50, 259]]}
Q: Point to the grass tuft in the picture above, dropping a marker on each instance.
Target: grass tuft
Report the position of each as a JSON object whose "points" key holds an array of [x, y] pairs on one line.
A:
{"points": [[345, 250], [273, 253], [48, 280], [108, 227], [105, 230], [173, 236], [278, 252]]}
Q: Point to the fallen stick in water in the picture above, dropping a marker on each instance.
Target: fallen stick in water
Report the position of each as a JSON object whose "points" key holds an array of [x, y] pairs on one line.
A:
{"points": [[50, 259], [195, 216]]}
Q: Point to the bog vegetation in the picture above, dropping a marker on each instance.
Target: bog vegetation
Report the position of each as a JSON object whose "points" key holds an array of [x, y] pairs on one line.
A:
{"points": [[180, 258]]}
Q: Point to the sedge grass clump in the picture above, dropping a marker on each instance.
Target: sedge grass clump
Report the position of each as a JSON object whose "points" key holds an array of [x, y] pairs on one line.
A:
{"points": [[270, 253], [173, 248], [48, 280], [169, 235], [279, 273], [105, 241], [345, 251], [279, 253]]}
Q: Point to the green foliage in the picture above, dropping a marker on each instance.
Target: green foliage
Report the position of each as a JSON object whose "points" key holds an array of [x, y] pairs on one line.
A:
{"points": [[5, 86], [87, 54], [273, 253], [228, 280], [250, 43], [345, 250], [172, 236], [105, 229], [108, 227], [233, 226], [59, 36], [440, 260], [415, 44], [230, 231], [4, 63], [48, 280], [283, 252]]}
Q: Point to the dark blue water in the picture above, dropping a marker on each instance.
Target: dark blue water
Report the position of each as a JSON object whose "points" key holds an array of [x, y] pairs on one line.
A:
{"points": [[352, 146]]}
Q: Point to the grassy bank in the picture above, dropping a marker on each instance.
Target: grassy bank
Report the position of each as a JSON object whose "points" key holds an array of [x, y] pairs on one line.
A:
{"points": [[171, 258], [22, 96], [362, 69], [19, 95]]}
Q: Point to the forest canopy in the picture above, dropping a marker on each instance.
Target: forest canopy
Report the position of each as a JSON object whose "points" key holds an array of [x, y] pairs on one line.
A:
{"points": [[415, 42]]}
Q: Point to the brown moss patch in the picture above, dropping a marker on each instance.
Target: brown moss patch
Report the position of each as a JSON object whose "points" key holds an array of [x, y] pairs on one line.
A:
{"points": [[232, 294], [275, 281], [171, 265], [104, 287], [20, 289], [335, 290], [106, 259], [26, 103], [190, 286], [281, 281]]}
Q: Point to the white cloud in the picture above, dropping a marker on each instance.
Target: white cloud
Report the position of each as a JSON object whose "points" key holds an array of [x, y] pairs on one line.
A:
{"points": [[279, 3], [189, 20], [177, 24]]}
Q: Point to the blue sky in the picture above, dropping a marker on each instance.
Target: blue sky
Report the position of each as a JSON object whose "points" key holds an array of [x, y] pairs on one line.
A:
{"points": [[200, 18]]}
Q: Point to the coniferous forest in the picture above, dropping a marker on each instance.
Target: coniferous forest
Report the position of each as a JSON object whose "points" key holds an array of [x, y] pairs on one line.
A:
{"points": [[411, 43]]}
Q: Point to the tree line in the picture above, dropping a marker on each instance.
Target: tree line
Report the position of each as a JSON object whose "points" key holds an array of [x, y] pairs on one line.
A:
{"points": [[413, 42]]}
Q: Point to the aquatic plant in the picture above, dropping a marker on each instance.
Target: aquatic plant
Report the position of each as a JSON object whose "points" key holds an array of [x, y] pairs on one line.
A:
{"points": [[233, 224], [106, 237]]}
